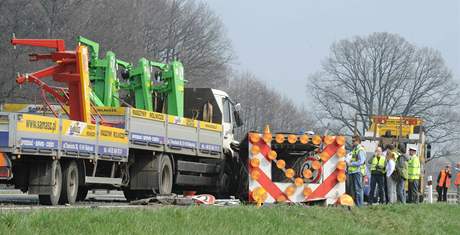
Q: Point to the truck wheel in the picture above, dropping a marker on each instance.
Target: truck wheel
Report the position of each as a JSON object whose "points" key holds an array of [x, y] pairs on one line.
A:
{"points": [[69, 183], [56, 177], [82, 193], [165, 175]]}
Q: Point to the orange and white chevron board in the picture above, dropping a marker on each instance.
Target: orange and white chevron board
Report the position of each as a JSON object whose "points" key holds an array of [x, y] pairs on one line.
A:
{"points": [[322, 174]]}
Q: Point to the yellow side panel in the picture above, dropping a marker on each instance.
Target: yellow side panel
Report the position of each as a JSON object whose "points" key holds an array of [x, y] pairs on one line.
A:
{"points": [[16, 108], [210, 126], [182, 121], [148, 115], [38, 124], [80, 129], [111, 111], [112, 134]]}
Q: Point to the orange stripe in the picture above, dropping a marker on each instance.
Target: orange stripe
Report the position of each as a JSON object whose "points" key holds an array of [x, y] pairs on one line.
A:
{"points": [[325, 187], [330, 150], [264, 148], [268, 185], [3, 161]]}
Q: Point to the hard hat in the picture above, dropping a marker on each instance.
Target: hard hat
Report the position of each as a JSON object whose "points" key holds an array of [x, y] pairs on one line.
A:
{"points": [[412, 148]]}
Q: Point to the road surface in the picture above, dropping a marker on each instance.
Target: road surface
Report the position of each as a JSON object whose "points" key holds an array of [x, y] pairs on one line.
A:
{"points": [[11, 199]]}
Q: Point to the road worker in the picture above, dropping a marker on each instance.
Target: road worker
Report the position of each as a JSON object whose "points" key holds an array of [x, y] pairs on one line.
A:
{"points": [[356, 170], [457, 181], [413, 172], [443, 183], [377, 163]]}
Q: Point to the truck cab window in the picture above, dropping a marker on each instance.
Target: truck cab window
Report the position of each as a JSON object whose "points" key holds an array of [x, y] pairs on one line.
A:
{"points": [[227, 110]]}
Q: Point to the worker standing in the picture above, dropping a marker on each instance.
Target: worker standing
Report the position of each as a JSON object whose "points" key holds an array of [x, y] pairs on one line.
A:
{"points": [[457, 181], [400, 173], [413, 171], [391, 177], [377, 163], [356, 170], [443, 183]]}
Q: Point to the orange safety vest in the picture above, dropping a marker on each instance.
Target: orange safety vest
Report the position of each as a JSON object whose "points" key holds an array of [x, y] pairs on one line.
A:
{"points": [[443, 178], [457, 179]]}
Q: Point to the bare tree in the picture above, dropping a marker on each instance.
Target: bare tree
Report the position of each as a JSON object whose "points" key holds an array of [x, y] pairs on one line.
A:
{"points": [[383, 74], [160, 30], [262, 105]]}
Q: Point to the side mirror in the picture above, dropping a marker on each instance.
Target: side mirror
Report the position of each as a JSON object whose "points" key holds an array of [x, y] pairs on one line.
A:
{"points": [[237, 107], [238, 121]]}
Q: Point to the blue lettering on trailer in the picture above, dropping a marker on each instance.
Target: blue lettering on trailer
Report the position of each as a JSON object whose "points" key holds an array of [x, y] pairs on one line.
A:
{"points": [[109, 150], [66, 145], [182, 143], [210, 147], [38, 143], [147, 138]]}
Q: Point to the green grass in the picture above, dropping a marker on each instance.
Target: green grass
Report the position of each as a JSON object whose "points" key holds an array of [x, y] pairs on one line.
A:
{"points": [[396, 219]]}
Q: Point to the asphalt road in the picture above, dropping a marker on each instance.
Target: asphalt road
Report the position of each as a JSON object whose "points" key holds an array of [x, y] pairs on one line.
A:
{"points": [[16, 200]]}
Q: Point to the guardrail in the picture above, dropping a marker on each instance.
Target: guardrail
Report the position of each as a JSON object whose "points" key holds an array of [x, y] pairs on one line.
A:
{"points": [[451, 196]]}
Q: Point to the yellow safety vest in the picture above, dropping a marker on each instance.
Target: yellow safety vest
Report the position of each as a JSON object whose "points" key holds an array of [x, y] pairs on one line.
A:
{"points": [[378, 164], [413, 167], [354, 158]]}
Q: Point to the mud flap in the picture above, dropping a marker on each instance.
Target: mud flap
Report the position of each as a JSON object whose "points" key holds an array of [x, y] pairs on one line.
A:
{"points": [[41, 177]]}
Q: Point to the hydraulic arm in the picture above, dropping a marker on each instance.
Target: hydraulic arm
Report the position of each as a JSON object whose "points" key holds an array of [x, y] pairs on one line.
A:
{"points": [[71, 68]]}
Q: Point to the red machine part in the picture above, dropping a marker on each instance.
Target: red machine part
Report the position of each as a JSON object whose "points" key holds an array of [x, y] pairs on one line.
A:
{"points": [[71, 68]]}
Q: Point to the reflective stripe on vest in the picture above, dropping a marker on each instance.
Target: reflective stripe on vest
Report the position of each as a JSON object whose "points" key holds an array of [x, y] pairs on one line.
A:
{"points": [[444, 178], [378, 165], [413, 168], [457, 179], [354, 158]]}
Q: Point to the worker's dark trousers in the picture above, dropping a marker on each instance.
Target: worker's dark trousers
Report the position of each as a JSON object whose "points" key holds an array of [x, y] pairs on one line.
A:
{"points": [[349, 186], [357, 180], [377, 180], [442, 194], [413, 191]]}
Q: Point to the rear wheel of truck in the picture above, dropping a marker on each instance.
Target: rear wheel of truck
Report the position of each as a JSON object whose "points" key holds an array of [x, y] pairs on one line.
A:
{"points": [[69, 183], [56, 187], [82, 193], [165, 178]]}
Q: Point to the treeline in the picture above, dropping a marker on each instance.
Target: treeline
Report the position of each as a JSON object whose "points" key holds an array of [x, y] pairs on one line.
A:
{"points": [[160, 30]]}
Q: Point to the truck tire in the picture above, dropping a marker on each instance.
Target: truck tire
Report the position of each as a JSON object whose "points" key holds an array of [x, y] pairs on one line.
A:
{"points": [[69, 183], [165, 176], [56, 188], [82, 193]]}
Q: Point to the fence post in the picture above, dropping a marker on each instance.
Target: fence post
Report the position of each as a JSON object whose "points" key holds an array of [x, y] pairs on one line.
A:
{"points": [[430, 189]]}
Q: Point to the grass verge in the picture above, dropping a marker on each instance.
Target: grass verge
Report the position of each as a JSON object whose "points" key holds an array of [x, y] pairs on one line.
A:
{"points": [[394, 219]]}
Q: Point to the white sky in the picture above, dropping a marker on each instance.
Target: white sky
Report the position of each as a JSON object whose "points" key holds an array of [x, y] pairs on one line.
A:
{"points": [[282, 42]]}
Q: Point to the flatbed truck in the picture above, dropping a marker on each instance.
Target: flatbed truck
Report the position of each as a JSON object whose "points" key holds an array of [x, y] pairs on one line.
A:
{"points": [[148, 152]]}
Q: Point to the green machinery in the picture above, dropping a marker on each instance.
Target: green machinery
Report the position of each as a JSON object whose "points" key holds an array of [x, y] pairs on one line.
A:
{"points": [[103, 75], [162, 92]]}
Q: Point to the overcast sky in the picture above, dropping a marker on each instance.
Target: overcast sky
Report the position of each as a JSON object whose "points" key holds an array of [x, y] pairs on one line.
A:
{"points": [[282, 42]]}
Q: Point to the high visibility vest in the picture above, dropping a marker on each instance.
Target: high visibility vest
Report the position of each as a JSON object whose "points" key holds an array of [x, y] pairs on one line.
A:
{"points": [[413, 168], [354, 158], [457, 179], [444, 178], [378, 164]]}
